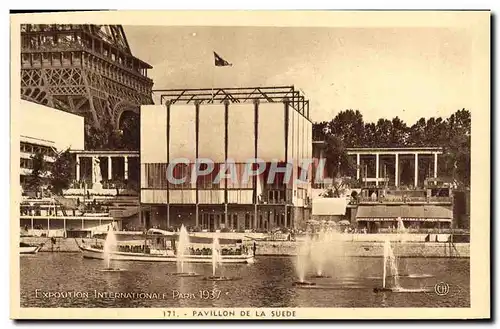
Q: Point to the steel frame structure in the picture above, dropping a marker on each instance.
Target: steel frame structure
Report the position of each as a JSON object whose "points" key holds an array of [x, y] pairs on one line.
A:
{"points": [[269, 94], [88, 70]]}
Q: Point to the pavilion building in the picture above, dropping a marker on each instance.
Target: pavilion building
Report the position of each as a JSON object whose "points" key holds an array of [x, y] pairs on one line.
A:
{"points": [[230, 124], [385, 195], [377, 166]]}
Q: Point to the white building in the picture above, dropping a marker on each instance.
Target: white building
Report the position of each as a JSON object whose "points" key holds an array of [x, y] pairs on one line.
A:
{"points": [[238, 124], [46, 130]]}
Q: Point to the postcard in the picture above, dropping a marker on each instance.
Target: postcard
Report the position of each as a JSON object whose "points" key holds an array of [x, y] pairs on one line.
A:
{"points": [[253, 165]]}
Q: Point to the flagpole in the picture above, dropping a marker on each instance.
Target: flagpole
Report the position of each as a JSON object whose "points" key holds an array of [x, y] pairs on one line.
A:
{"points": [[213, 81]]}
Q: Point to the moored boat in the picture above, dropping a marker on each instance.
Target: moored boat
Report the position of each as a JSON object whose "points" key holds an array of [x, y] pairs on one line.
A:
{"points": [[161, 246], [157, 256], [26, 248]]}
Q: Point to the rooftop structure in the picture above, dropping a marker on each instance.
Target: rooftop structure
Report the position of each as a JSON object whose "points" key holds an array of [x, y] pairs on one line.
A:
{"points": [[274, 94]]}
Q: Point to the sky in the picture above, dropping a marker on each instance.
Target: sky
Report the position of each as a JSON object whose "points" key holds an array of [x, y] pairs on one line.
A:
{"points": [[382, 72]]}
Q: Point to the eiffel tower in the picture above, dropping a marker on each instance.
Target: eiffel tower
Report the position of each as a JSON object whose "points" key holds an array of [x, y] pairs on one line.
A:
{"points": [[87, 70]]}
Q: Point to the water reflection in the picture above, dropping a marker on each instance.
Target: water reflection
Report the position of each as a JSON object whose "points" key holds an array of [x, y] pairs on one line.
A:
{"points": [[267, 283]]}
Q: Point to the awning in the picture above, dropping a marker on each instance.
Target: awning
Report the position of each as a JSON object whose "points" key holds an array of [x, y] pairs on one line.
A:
{"points": [[406, 212], [392, 219]]}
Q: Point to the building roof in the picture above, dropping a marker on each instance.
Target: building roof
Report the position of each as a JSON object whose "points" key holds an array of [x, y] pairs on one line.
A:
{"points": [[36, 141], [374, 150], [104, 153]]}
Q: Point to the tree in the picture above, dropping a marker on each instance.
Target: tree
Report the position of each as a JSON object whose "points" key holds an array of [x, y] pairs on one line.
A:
{"points": [[383, 133], [107, 137], [39, 168], [369, 135], [348, 126], [61, 174], [399, 133], [457, 147], [416, 135], [347, 129], [130, 130], [320, 130], [337, 160]]}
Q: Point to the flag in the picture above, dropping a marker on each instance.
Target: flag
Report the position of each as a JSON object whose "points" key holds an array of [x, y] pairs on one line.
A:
{"points": [[219, 61]]}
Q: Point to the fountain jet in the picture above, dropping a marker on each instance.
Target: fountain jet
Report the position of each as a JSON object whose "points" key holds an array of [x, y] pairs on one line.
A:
{"points": [[390, 269], [182, 251], [303, 257], [216, 262], [110, 247]]}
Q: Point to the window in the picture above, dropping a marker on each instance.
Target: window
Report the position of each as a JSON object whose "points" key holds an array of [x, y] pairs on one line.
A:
{"points": [[37, 58], [155, 174], [26, 59], [25, 41], [56, 58], [208, 181], [66, 58], [247, 221], [26, 163], [34, 42], [181, 171], [47, 40]]}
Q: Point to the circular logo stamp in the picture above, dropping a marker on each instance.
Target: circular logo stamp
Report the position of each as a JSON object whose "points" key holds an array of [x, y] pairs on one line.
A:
{"points": [[442, 289]]}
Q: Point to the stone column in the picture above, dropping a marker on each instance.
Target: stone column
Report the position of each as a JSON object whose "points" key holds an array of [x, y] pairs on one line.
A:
{"points": [[110, 168], [92, 172], [77, 168], [396, 171], [285, 220], [255, 216], [416, 169], [225, 214], [357, 165], [376, 168], [125, 167], [168, 215], [435, 165], [197, 215]]}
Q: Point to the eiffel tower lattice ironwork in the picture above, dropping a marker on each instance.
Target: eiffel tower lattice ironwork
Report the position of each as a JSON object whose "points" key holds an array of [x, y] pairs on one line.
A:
{"points": [[88, 70]]}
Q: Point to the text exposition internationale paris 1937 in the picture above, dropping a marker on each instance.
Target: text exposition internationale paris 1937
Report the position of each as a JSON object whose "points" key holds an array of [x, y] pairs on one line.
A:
{"points": [[250, 165]]}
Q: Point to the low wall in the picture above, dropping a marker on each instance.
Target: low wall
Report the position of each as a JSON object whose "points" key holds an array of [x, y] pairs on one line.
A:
{"points": [[290, 248], [371, 249], [231, 235]]}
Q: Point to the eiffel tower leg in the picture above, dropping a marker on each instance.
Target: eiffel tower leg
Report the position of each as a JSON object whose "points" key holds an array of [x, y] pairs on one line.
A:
{"points": [[92, 108], [44, 78]]}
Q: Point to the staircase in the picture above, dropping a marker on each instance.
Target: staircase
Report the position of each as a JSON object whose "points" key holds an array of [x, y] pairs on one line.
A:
{"points": [[123, 206]]}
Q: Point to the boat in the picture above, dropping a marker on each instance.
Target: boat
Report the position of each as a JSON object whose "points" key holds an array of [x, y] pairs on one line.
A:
{"points": [[95, 253], [26, 248], [159, 246]]}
